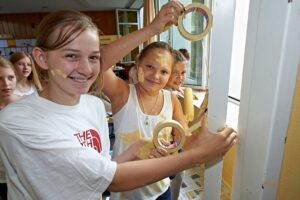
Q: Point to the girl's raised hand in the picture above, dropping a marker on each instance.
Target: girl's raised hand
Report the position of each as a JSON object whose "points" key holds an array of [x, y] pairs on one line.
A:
{"points": [[167, 16]]}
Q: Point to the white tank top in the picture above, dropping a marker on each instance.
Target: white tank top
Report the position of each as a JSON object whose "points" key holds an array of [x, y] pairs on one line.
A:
{"points": [[25, 93], [130, 126]]}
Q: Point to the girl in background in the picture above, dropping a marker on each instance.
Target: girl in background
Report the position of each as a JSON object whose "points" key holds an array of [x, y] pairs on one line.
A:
{"points": [[7, 85], [28, 79], [177, 77]]}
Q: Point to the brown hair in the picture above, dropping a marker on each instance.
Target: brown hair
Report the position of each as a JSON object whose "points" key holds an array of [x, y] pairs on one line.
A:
{"points": [[179, 57], [70, 24], [185, 53], [34, 76], [154, 45]]}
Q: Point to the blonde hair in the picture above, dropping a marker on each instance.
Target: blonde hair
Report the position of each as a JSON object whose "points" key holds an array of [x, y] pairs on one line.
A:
{"points": [[34, 76], [4, 63]]}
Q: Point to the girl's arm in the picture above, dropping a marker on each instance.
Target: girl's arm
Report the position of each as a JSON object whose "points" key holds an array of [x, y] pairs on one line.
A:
{"points": [[178, 112], [112, 53], [204, 147], [130, 154], [116, 89]]}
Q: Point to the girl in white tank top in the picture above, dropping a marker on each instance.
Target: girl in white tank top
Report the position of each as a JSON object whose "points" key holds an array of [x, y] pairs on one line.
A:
{"points": [[138, 108]]}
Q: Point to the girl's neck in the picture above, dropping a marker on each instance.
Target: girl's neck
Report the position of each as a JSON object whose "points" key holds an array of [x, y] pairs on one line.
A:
{"points": [[24, 85], [24, 82], [150, 104], [146, 93], [59, 97]]}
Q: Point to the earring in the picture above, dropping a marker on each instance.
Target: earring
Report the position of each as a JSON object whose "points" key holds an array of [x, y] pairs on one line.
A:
{"points": [[140, 75]]}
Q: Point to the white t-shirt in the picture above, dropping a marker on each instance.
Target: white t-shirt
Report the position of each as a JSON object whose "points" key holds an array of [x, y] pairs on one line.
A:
{"points": [[52, 151], [130, 126]]}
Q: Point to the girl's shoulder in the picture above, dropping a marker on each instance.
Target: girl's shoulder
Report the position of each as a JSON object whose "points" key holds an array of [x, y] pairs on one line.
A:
{"points": [[168, 93], [92, 101], [90, 98]]}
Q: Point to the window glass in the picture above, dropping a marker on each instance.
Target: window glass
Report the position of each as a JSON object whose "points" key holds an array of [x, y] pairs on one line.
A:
{"points": [[127, 28], [128, 16], [128, 22], [238, 48], [194, 23]]}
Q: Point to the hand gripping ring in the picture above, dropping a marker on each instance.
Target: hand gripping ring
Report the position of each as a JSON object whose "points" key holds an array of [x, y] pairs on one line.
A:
{"points": [[164, 124]]}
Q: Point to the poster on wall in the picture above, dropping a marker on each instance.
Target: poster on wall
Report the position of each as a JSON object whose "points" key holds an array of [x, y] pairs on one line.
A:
{"points": [[3, 43], [2, 53]]}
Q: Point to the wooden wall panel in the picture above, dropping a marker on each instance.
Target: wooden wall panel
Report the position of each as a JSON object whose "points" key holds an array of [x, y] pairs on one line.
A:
{"points": [[4, 24], [20, 26], [23, 26], [105, 20]]}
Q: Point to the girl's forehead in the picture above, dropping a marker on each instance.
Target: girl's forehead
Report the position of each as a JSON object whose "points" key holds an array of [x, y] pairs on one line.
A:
{"points": [[86, 42], [26, 59], [160, 55], [72, 35], [158, 51], [163, 60], [4, 70], [180, 65]]}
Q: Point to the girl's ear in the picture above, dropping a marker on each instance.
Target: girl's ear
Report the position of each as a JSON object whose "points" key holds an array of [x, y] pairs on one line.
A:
{"points": [[40, 57]]}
